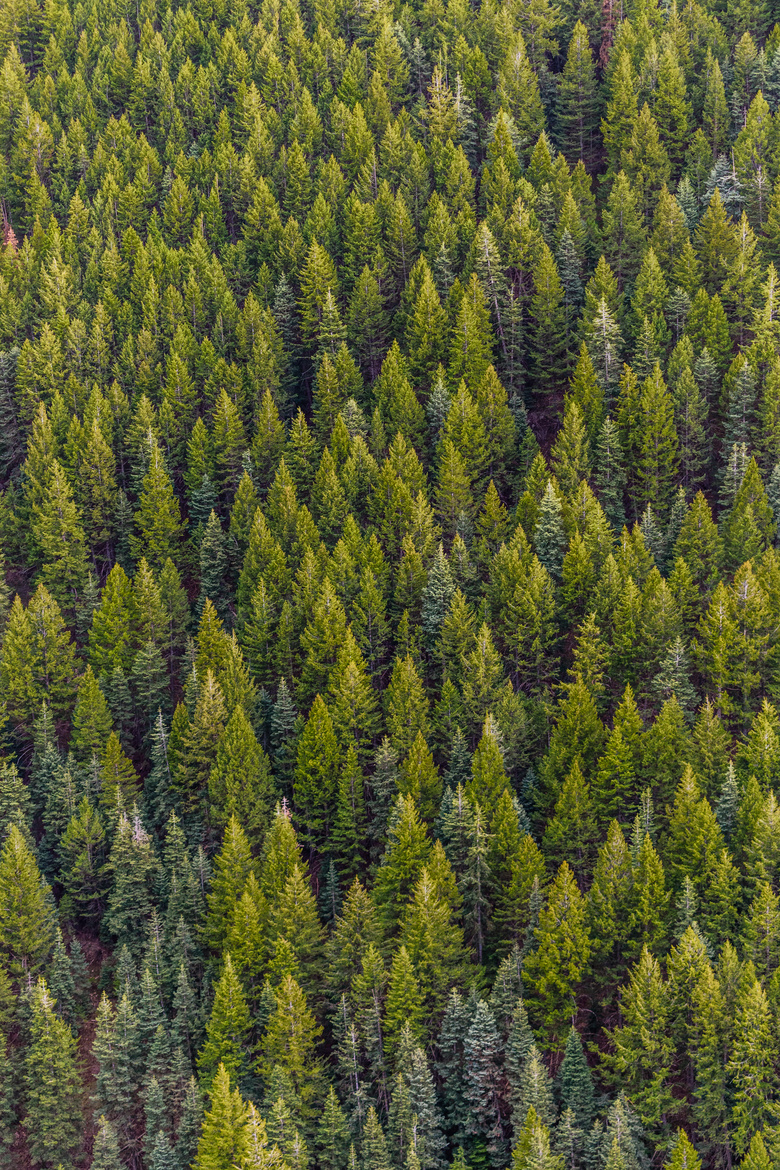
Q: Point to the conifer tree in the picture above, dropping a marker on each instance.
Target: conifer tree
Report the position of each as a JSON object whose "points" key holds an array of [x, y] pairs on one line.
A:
{"points": [[227, 1031], [223, 1139], [332, 1134], [533, 1146], [548, 343], [403, 1007], [37, 660], [484, 1082], [553, 971], [133, 865], [750, 1064], [240, 781], [657, 466], [578, 99], [106, 1147], [290, 1041], [374, 1145], [575, 1082], [158, 519], [550, 537], [642, 1056], [26, 918], [316, 773], [52, 1084], [58, 532]]}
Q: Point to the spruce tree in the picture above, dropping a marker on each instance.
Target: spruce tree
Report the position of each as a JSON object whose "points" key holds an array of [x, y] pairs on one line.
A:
{"points": [[549, 537], [575, 1082], [213, 563], [484, 1083], [332, 1135], [133, 865]]}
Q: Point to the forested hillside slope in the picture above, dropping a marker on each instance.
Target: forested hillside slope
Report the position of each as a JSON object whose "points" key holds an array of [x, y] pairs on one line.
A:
{"points": [[390, 585]]}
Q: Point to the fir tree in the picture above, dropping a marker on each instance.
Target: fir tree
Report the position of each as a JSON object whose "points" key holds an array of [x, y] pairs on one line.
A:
{"points": [[642, 1055], [554, 969], [26, 919], [158, 519], [223, 1138], [227, 1031], [105, 1154], [52, 1084]]}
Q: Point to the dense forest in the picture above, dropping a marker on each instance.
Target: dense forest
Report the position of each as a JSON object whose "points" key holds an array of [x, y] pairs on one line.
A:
{"points": [[389, 585]]}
